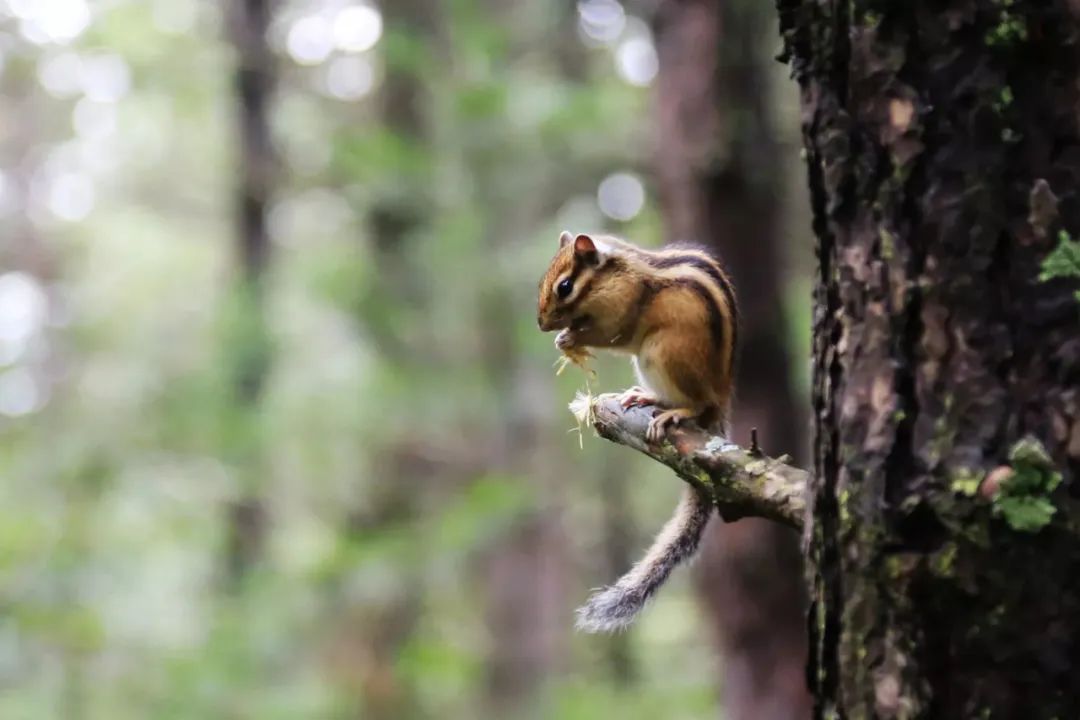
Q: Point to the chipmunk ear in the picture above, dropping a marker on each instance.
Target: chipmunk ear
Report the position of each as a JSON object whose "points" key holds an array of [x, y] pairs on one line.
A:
{"points": [[565, 237], [588, 251]]}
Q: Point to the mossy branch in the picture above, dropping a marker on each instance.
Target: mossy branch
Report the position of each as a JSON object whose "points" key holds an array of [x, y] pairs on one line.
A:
{"points": [[741, 482]]}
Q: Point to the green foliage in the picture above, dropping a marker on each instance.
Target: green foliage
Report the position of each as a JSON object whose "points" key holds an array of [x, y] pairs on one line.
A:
{"points": [[1026, 514], [581, 701], [966, 482], [1023, 498], [1063, 261], [382, 156], [406, 51], [442, 668], [1010, 29], [1004, 100]]}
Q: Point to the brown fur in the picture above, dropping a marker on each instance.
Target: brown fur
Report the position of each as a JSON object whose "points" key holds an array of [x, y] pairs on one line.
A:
{"points": [[668, 318]]}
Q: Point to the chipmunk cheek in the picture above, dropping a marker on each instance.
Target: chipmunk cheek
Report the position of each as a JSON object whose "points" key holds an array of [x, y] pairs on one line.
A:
{"points": [[580, 323]]}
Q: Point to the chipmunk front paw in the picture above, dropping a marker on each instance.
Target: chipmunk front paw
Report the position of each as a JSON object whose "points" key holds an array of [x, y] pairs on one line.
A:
{"points": [[636, 396], [565, 340], [662, 423]]}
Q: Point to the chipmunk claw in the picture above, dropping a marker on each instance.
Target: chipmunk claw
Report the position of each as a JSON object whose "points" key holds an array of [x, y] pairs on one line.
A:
{"points": [[665, 421], [636, 396]]}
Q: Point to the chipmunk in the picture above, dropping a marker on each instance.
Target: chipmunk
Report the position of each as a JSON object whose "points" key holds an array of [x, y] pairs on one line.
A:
{"points": [[674, 311]]}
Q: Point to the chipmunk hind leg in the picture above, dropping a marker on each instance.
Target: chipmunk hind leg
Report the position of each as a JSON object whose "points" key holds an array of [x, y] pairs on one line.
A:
{"points": [[680, 377]]}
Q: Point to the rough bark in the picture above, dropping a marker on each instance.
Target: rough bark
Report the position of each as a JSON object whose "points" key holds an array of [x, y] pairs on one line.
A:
{"points": [[719, 169], [929, 129]]}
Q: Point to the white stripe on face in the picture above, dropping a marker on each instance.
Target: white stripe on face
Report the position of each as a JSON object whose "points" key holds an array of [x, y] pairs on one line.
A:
{"points": [[583, 274]]}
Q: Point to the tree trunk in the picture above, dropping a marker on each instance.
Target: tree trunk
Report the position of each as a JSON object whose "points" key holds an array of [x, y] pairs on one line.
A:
{"points": [[719, 170], [944, 156], [527, 567], [254, 81], [619, 546], [372, 632]]}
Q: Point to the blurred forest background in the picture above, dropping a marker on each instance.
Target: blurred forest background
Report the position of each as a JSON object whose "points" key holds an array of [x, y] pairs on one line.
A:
{"points": [[279, 437]]}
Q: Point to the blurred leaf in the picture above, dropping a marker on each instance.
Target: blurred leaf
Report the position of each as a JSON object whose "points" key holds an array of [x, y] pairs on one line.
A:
{"points": [[382, 156], [74, 628], [441, 667], [1064, 260], [406, 52], [486, 507], [481, 102]]}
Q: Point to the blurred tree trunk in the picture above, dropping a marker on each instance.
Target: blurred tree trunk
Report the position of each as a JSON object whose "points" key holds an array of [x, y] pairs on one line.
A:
{"points": [[528, 564], [620, 542], [719, 171], [528, 567], [943, 146], [403, 207], [526, 582], [25, 249], [253, 85], [373, 631]]}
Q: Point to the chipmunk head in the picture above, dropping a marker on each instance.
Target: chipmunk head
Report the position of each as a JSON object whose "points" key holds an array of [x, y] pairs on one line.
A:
{"points": [[563, 289]]}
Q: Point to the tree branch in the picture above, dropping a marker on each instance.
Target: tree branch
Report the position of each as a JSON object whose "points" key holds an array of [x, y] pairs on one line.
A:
{"points": [[742, 484]]}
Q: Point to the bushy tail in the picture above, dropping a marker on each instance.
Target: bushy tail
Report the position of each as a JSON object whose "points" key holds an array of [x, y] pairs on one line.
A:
{"points": [[615, 607]]}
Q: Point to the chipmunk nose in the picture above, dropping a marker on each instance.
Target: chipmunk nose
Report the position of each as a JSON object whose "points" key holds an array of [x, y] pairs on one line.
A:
{"points": [[540, 323]]}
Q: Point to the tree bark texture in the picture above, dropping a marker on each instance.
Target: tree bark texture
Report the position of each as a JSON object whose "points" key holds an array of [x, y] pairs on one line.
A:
{"points": [[718, 168], [743, 482], [943, 149]]}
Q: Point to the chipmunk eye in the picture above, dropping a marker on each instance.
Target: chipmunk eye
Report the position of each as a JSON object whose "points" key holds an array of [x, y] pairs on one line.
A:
{"points": [[565, 288]]}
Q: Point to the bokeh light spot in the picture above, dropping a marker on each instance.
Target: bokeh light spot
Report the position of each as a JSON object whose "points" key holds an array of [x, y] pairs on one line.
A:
{"points": [[57, 21], [601, 21], [94, 120], [71, 196], [636, 61], [60, 74], [23, 311], [350, 78], [621, 196], [357, 28], [310, 40], [19, 393], [105, 77]]}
